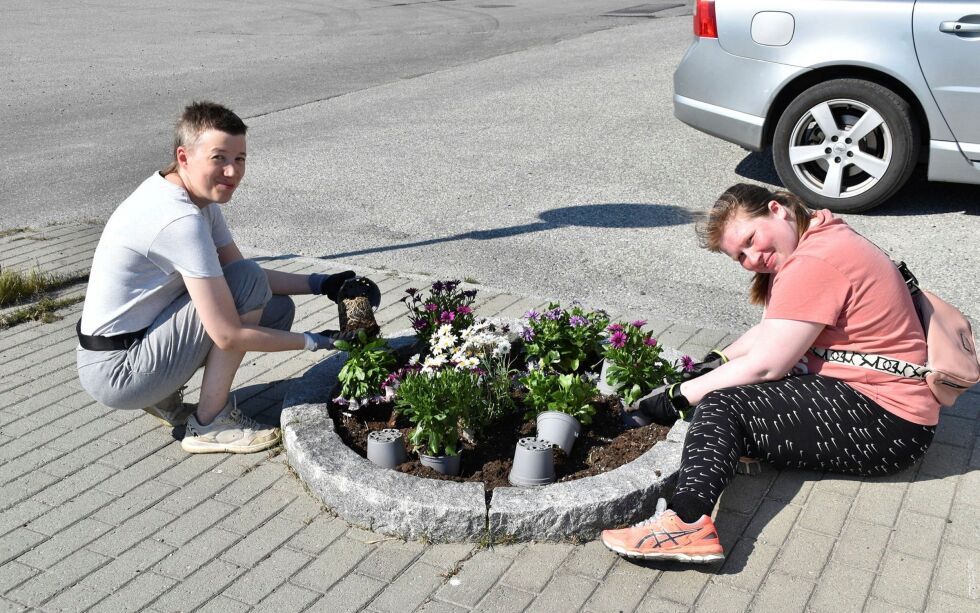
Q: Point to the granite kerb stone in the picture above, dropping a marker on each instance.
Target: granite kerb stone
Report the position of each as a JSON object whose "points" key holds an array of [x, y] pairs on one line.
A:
{"points": [[390, 502]]}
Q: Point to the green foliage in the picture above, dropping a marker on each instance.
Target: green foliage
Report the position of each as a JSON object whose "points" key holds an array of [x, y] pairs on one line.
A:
{"points": [[564, 340], [439, 405], [634, 365], [16, 286], [367, 367], [566, 393]]}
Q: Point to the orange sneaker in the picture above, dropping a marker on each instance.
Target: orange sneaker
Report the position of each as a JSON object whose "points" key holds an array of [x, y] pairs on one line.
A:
{"points": [[665, 537]]}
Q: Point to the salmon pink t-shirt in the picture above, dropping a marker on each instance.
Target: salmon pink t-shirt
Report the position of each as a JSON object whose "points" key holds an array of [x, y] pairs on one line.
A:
{"points": [[837, 278]]}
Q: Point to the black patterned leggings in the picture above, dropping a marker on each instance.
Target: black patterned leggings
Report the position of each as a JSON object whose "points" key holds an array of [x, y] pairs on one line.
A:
{"points": [[809, 421]]}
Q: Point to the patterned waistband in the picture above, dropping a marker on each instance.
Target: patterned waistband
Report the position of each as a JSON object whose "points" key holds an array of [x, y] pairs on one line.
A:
{"points": [[872, 361]]}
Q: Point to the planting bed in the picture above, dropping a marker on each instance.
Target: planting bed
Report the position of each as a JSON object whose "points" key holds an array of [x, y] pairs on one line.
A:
{"points": [[613, 476], [602, 446]]}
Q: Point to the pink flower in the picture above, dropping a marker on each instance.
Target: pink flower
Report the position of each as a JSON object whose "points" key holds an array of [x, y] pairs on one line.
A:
{"points": [[639, 323], [687, 363], [650, 342], [618, 339], [615, 328], [463, 309], [447, 317], [431, 306]]}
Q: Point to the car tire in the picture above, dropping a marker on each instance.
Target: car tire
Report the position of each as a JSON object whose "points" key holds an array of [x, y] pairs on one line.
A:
{"points": [[817, 159]]}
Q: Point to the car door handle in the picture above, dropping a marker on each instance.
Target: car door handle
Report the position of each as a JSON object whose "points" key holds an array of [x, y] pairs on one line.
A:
{"points": [[957, 27]]}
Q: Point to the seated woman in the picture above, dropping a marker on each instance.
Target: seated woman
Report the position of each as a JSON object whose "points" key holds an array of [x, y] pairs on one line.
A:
{"points": [[823, 286], [169, 291]]}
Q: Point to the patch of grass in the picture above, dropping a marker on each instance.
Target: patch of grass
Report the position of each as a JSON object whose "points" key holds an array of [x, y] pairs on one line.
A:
{"points": [[471, 280], [12, 231], [17, 287], [43, 310]]}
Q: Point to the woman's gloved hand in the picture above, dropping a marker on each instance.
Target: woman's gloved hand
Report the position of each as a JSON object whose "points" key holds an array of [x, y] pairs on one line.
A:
{"points": [[326, 339], [664, 405], [713, 360], [329, 285]]}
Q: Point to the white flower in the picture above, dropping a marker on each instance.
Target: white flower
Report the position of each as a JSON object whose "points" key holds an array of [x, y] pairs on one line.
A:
{"points": [[414, 359], [433, 363]]}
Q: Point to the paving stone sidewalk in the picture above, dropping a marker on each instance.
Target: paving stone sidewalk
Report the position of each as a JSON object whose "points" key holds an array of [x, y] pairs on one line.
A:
{"points": [[102, 510]]}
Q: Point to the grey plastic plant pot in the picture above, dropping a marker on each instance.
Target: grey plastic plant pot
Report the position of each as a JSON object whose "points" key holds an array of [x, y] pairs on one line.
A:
{"points": [[534, 463], [442, 464], [386, 448], [633, 419], [559, 428]]}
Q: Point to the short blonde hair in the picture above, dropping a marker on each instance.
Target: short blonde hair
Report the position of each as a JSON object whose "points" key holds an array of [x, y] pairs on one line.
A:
{"points": [[752, 201], [198, 118]]}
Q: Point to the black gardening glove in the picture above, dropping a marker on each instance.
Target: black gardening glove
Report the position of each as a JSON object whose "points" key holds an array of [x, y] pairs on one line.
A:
{"points": [[713, 360], [327, 339], [329, 285], [664, 405]]}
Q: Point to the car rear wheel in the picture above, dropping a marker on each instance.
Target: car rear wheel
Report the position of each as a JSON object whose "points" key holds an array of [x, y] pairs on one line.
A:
{"points": [[846, 145]]}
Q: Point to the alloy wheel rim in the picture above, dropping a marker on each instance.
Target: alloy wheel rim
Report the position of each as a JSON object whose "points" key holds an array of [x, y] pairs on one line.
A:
{"points": [[840, 148]]}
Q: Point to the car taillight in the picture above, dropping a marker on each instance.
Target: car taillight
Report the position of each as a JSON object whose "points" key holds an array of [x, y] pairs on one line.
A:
{"points": [[705, 24]]}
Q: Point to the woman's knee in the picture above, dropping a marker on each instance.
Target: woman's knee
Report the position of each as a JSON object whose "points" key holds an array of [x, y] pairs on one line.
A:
{"points": [[249, 285], [279, 313]]}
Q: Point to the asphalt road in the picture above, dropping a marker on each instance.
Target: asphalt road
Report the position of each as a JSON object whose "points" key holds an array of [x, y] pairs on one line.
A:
{"points": [[529, 145]]}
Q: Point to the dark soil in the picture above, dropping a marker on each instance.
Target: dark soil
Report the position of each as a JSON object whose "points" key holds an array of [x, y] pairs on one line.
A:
{"points": [[603, 445]]}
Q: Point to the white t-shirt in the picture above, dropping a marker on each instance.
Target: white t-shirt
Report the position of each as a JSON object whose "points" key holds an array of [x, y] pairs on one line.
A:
{"points": [[155, 236]]}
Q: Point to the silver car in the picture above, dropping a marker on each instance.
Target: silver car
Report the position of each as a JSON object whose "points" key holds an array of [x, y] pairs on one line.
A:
{"points": [[850, 94]]}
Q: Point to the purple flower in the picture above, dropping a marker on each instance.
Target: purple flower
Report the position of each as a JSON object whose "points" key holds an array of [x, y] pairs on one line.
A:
{"points": [[532, 315], [554, 314], [527, 334], [437, 286], [639, 323], [650, 342], [470, 293], [687, 363], [411, 291], [431, 307], [420, 324], [577, 321], [450, 285], [618, 340], [463, 309], [615, 328], [447, 317]]}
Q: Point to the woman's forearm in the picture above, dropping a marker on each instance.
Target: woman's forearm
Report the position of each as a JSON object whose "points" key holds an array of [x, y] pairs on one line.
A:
{"points": [[287, 283]]}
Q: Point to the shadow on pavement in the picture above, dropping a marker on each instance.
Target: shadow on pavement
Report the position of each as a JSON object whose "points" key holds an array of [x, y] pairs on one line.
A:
{"points": [[917, 197], [613, 215]]}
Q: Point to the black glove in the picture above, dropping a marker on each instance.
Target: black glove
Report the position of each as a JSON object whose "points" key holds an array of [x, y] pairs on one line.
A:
{"points": [[327, 339], [664, 405], [329, 285], [713, 360]]}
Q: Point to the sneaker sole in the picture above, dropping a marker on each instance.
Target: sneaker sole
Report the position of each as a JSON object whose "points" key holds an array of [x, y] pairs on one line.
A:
{"points": [[194, 447], [677, 556]]}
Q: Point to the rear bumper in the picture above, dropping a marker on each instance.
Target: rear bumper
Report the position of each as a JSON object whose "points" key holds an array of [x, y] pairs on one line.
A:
{"points": [[727, 95], [734, 126]]}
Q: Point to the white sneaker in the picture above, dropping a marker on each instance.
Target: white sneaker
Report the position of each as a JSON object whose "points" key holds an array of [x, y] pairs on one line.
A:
{"points": [[230, 432], [171, 411]]}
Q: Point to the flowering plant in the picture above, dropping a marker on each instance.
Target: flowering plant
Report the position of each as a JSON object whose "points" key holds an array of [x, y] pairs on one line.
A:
{"points": [[446, 304], [553, 391], [367, 366], [483, 350], [438, 403], [634, 364], [564, 340]]}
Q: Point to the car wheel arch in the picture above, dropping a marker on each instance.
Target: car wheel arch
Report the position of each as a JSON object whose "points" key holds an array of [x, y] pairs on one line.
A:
{"points": [[805, 81]]}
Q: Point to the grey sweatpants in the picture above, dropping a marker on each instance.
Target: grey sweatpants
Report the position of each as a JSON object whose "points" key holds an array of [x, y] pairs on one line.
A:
{"points": [[175, 345]]}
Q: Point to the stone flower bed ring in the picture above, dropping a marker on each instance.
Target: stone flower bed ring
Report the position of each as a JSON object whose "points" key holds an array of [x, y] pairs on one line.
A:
{"points": [[447, 431]]}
